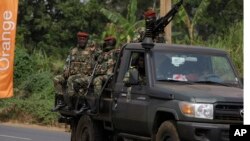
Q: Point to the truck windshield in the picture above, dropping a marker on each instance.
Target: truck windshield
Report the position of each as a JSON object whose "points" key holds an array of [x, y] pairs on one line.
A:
{"points": [[196, 68]]}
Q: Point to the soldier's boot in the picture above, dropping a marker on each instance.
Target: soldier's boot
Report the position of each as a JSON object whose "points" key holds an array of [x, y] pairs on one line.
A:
{"points": [[94, 109], [68, 100], [97, 90], [82, 103], [83, 108], [78, 89], [59, 103]]}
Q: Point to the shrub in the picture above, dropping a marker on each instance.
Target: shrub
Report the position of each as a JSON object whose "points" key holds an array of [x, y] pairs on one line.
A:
{"points": [[28, 111], [233, 43], [39, 86], [23, 65]]}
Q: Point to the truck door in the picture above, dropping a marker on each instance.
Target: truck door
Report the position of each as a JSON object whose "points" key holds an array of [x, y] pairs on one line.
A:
{"points": [[130, 115]]}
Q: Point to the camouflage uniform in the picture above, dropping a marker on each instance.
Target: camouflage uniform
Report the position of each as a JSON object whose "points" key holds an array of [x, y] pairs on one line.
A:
{"points": [[139, 33], [60, 84], [139, 66], [127, 75], [84, 81], [78, 65], [104, 69], [142, 78], [81, 67]]}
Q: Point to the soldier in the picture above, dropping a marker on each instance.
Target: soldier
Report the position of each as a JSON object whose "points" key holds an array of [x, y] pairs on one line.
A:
{"points": [[151, 21], [82, 84], [105, 67], [137, 65], [78, 64]]}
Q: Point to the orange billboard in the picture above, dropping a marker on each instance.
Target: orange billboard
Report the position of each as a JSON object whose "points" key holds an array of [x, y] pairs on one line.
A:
{"points": [[8, 18]]}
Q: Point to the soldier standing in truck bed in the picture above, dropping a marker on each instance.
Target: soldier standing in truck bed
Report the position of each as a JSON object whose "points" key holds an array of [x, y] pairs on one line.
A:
{"points": [[79, 64], [150, 18]]}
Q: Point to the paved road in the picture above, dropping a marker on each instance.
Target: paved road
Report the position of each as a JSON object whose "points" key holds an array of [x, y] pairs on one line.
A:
{"points": [[17, 133]]}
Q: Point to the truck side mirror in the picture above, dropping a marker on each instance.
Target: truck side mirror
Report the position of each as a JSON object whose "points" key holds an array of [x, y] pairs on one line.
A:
{"points": [[132, 79]]}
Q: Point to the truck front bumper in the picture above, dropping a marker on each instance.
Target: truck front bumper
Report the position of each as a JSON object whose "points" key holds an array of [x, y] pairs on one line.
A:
{"points": [[192, 131]]}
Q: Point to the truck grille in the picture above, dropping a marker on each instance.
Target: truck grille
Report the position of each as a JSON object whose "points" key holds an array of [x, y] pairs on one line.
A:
{"points": [[224, 135], [228, 111]]}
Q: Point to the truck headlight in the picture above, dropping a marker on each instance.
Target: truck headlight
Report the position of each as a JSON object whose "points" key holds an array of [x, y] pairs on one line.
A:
{"points": [[197, 110]]}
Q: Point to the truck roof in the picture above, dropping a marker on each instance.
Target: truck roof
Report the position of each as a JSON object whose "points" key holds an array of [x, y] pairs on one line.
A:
{"points": [[175, 47]]}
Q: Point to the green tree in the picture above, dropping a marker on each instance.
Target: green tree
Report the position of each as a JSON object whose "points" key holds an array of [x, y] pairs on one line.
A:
{"points": [[52, 25], [123, 27], [203, 19], [120, 6]]}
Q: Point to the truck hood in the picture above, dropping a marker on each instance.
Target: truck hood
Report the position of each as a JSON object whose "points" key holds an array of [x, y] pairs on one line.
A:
{"points": [[200, 92]]}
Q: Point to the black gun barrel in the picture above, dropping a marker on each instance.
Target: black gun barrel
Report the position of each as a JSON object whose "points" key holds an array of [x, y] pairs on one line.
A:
{"points": [[164, 21]]}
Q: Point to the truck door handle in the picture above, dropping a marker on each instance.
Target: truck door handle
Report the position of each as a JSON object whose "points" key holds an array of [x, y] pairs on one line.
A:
{"points": [[114, 104]]}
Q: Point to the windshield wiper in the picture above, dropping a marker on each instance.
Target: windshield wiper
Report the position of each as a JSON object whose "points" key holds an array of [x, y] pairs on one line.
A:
{"points": [[211, 82], [175, 81]]}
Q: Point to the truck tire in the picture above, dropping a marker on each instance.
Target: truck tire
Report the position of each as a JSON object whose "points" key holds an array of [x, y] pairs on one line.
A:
{"points": [[167, 132], [88, 130]]}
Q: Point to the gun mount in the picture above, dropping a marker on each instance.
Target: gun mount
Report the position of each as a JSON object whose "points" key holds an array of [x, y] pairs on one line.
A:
{"points": [[155, 27]]}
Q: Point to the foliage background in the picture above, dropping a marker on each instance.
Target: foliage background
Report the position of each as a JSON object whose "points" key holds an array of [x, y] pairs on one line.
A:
{"points": [[46, 31]]}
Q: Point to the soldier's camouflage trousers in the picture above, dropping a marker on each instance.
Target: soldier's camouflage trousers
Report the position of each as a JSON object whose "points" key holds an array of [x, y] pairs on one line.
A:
{"points": [[81, 84], [59, 84], [73, 79], [98, 82]]}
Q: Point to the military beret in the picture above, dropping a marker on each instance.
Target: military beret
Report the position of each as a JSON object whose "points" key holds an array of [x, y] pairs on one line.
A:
{"points": [[149, 13], [109, 38], [82, 34]]}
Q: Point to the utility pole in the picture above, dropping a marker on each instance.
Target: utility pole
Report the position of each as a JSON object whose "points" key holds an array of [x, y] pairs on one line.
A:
{"points": [[165, 6]]}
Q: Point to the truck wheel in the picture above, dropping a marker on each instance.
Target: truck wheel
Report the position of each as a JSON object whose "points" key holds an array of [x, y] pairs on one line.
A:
{"points": [[167, 132], [88, 130]]}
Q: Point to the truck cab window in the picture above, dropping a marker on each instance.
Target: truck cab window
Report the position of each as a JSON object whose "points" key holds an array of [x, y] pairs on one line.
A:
{"points": [[137, 62], [192, 67]]}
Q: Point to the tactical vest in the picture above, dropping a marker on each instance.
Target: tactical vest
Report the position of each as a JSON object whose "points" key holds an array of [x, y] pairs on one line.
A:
{"points": [[82, 61], [106, 63]]}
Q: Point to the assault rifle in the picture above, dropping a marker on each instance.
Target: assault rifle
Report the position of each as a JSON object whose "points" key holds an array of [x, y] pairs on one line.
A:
{"points": [[67, 67]]}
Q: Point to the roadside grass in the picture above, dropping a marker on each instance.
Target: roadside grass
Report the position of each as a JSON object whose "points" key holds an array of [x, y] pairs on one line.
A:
{"points": [[33, 91], [32, 111]]}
